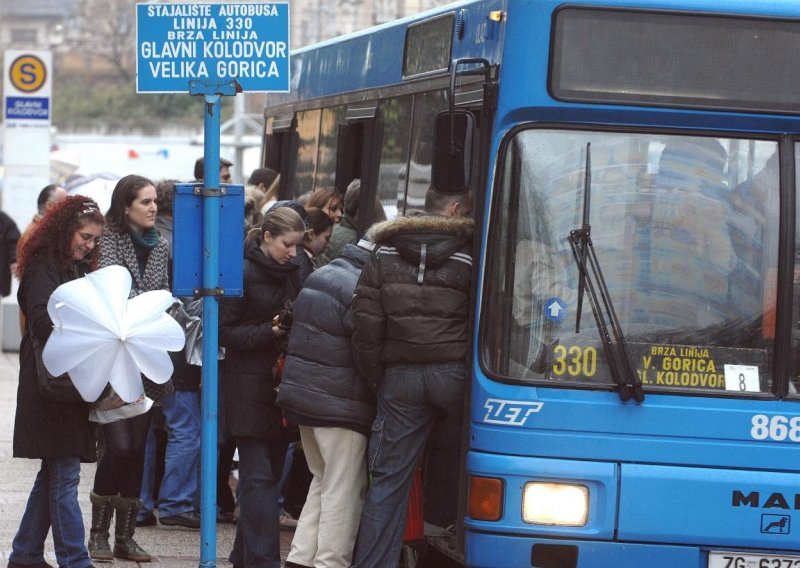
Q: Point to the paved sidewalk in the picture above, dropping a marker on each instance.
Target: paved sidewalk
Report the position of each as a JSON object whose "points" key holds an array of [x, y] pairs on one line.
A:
{"points": [[171, 547]]}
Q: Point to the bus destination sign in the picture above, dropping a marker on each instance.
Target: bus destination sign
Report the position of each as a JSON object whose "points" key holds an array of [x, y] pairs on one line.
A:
{"points": [[179, 43]]}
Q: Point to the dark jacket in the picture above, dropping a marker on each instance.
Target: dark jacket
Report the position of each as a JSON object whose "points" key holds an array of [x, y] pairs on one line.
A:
{"points": [[245, 330], [9, 235], [305, 266], [185, 377], [344, 233], [412, 300], [320, 385], [118, 249], [43, 428]]}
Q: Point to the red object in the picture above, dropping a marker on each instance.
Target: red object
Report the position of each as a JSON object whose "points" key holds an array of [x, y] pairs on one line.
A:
{"points": [[133, 154], [277, 371], [414, 520]]}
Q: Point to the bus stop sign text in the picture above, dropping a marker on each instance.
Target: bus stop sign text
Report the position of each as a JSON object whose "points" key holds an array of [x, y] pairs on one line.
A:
{"points": [[177, 43]]}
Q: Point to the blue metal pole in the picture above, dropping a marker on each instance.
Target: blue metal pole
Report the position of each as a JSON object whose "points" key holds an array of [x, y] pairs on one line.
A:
{"points": [[211, 234]]}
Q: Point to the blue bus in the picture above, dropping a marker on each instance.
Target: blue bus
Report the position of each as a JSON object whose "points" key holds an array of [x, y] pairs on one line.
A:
{"points": [[635, 373]]}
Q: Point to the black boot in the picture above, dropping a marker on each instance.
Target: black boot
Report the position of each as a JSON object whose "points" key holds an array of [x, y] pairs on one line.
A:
{"points": [[124, 546], [102, 511]]}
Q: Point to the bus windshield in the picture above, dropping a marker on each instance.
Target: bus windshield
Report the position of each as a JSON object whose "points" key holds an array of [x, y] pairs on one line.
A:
{"points": [[685, 230]]}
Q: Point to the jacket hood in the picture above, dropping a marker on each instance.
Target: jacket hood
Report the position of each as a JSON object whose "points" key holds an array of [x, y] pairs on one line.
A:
{"points": [[355, 254], [440, 236]]}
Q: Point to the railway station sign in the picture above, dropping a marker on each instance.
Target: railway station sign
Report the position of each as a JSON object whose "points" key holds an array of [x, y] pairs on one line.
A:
{"points": [[179, 43], [27, 114], [27, 88]]}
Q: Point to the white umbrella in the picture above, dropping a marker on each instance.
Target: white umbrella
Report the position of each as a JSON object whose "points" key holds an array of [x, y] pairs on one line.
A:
{"points": [[95, 186], [64, 163], [100, 336]]}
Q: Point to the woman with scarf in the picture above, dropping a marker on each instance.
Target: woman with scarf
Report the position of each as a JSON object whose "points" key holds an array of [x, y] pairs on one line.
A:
{"points": [[130, 240]]}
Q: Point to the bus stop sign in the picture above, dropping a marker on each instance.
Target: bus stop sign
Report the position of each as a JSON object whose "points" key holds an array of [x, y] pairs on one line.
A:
{"points": [[187, 240], [179, 43]]}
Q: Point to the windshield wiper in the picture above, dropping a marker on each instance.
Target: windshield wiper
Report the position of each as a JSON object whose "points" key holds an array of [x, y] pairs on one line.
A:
{"points": [[590, 277]]}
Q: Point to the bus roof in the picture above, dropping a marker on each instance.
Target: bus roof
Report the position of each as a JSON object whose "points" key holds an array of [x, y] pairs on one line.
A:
{"points": [[378, 57]]}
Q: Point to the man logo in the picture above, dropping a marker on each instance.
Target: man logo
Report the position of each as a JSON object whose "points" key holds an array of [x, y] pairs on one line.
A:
{"points": [[511, 412], [775, 524]]}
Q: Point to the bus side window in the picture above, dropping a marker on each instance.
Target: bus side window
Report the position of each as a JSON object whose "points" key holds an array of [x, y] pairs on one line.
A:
{"points": [[306, 152], [395, 117], [349, 147], [330, 121], [426, 107]]}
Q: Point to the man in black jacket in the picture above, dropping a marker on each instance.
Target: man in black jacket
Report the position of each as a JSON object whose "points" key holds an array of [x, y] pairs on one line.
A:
{"points": [[411, 309]]}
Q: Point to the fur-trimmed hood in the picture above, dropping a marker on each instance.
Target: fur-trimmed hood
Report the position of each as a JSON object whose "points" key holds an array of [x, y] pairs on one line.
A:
{"points": [[441, 236], [459, 227]]}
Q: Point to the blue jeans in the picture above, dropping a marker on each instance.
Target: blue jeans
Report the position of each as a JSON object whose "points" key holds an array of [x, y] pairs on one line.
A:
{"points": [[257, 543], [53, 502], [179, 487], [411, 398], [287, 468]]}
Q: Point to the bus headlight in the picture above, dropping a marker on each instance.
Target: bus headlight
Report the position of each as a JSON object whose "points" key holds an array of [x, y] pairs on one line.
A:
{"points": [[555, 504]]}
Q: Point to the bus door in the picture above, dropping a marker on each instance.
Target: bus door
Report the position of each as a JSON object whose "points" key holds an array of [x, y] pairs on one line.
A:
{"points": [[279, 140], [473, 136], [356, 158]]}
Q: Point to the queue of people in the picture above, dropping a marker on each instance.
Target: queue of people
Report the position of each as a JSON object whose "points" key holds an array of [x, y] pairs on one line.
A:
{"points": [[351, 355]]}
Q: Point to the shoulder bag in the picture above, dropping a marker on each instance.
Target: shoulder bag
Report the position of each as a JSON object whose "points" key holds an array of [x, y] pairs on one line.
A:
{"points": [[55, 389]]}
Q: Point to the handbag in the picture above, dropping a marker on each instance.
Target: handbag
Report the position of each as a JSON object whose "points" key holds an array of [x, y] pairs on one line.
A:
{"points": [[157, 391], [55, 389]]}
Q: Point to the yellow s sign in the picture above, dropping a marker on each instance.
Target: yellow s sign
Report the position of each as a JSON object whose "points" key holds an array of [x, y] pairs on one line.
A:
{"points": [[28, 73]]}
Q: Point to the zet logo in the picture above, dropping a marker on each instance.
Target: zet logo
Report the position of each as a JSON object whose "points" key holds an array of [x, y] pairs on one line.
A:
{"points": [[27, 73], [509, 412]]}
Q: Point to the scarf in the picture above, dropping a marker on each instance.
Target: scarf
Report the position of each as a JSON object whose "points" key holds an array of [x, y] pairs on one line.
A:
{"points": [[143, 244]]}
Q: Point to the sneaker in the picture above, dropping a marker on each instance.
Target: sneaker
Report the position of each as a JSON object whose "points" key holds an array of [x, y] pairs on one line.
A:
{"points": [[189, 520], [287, 521], [149, 520], [436, 531]]}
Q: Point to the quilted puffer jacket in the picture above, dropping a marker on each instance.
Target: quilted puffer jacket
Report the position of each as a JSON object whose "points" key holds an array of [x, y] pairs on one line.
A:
{"points": [[320, 382]]}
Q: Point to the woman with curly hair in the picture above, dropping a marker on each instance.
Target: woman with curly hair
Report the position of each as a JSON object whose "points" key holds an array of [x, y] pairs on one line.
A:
{"points": [[130, 240], [61, 248]]}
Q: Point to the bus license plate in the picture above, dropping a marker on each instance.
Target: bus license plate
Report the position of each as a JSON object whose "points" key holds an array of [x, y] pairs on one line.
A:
{"points": [[740, 560]]}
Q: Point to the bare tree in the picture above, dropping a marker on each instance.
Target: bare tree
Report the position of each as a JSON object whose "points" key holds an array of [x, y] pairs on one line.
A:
{"points": [[108, 31]]}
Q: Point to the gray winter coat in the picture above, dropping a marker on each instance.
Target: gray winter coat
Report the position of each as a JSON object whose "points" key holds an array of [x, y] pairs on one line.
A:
{"points": [[117, 249], [320, 382]]}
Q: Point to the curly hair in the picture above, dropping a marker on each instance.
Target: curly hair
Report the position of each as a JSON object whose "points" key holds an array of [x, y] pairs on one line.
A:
{"points": [[52, 236]]}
